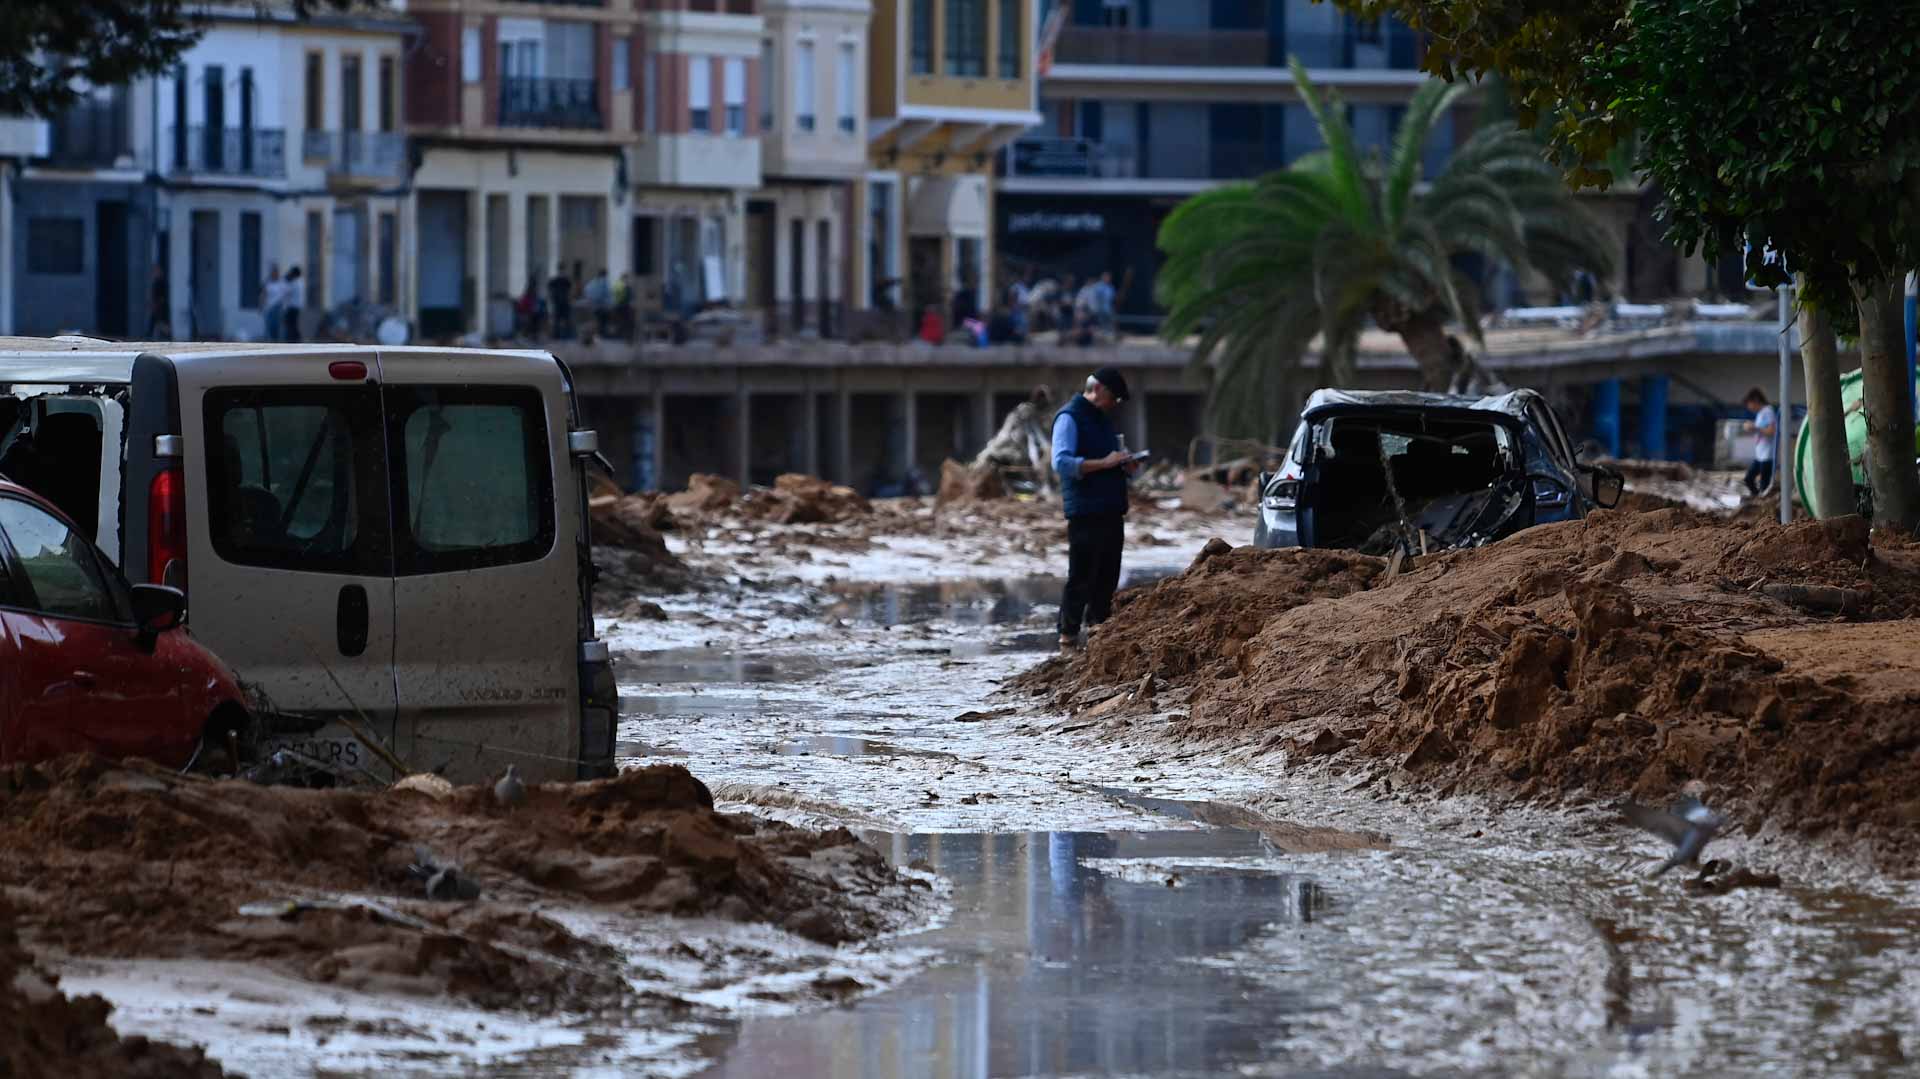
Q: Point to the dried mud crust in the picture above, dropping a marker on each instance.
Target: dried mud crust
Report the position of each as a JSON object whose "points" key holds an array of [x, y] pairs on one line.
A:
{"points": [[126, 861], [47, 1033], [1626, 654]]}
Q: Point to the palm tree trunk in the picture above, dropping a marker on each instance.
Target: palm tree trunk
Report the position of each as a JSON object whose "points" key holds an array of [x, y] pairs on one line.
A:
{"points": [[1426, 340], [1830, 473], [1889, 401]]}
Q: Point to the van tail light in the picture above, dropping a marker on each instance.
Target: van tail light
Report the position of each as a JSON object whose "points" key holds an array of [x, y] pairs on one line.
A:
{"points": [[167, 529]]}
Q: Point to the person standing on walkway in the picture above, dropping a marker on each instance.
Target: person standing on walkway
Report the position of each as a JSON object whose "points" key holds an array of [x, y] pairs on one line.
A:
{"points": [[159, 306], [1760, 472], [296, 299], [1093, 469]]}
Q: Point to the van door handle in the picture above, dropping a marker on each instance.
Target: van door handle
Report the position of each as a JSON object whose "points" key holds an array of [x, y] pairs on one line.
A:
{"points": [[351, 620]]}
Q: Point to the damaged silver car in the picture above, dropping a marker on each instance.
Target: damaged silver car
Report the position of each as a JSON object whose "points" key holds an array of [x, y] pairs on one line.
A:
{"points": [[1386, 471]]}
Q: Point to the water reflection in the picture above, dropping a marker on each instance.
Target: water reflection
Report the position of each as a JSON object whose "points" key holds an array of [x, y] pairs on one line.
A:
{"points": [[716, 666], [1061, 961]]}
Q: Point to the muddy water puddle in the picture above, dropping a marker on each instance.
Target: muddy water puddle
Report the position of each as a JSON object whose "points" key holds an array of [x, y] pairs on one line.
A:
{"points": [[962, 603], [1056, 967]]}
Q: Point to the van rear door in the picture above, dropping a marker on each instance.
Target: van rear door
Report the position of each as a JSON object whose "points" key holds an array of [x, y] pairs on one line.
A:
{"points": [[290, 561], [486, 592]]}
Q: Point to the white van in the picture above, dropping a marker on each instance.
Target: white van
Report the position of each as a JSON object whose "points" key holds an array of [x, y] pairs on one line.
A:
{"points": [[387, 538]]}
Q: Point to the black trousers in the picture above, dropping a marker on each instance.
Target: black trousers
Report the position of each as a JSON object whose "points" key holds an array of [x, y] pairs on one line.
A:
{"points": [[1093, 569], [1759, 476]]}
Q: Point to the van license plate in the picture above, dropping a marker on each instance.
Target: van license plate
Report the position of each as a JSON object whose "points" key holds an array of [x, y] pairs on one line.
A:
{"points": [[344, 753]]}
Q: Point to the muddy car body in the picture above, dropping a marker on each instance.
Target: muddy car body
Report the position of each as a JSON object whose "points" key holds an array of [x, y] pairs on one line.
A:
{"points": [[383, 540], [1376, 471]]}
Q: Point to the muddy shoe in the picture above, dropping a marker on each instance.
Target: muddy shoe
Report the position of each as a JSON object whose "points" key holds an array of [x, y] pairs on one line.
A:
{"points": [[1069, 642]]}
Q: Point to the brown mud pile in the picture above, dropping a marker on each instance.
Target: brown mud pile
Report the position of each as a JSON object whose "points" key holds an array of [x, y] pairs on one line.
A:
{"points": [[107, 860], [963, 483], [1626, 654], [630, 554], [48, 1033]]}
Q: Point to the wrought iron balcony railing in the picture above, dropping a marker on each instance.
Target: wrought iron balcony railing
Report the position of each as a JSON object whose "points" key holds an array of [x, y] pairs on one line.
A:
{"points": [[548, 102], [230, 151]]}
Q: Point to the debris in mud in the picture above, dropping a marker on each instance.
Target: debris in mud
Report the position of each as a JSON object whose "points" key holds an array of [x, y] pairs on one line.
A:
{"points": [[49, 1033], [1629, 653], [968, 483], [630, 554], [129, 861]]}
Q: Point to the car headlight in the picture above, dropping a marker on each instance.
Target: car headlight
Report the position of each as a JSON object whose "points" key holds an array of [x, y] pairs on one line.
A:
{"points": [[1281, 496]]}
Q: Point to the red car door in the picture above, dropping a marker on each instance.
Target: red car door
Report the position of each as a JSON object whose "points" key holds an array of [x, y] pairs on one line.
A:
{"points": [[79, 646]]}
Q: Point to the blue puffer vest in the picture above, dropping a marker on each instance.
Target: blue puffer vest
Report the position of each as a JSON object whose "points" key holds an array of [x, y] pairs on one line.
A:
{"points": [[1101, 492]]}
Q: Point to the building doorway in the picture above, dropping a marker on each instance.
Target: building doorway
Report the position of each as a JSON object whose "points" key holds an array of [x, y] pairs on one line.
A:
{"points": [[203, 275], [110, 269]]}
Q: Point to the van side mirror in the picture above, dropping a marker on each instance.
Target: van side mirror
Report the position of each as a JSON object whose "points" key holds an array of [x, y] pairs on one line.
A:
{"points": [[158, 608]]}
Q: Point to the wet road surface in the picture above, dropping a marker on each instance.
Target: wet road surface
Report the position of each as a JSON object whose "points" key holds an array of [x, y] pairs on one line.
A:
{"points": [[1110, 911]]}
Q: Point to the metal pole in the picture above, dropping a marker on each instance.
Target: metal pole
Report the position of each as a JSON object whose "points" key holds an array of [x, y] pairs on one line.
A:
{"points": [[1781, 421]]}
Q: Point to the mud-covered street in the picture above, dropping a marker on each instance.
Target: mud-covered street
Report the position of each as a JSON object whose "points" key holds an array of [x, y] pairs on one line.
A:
{"points": [[869, 824]]}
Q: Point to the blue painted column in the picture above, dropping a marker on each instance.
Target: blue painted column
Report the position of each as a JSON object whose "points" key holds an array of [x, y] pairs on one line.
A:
{"points": [[1913, 325], [1653, 417], [1606, 415]]}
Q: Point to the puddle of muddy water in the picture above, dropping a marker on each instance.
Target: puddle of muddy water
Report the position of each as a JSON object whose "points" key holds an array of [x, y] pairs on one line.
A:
{"points": [[1055, 967], [961, 603]]}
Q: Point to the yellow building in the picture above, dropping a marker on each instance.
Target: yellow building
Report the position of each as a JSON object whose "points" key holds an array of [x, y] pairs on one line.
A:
{"points": [[951, 82]]}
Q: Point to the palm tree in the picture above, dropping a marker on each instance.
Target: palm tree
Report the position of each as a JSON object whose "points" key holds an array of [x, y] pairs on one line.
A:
{"points": [[1259, 269]]}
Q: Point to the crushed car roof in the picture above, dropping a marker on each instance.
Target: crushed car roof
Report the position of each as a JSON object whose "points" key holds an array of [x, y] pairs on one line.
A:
{"points": [[1512, 403]]}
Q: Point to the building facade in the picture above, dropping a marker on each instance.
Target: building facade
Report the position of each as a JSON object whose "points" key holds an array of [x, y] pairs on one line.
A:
{"points": [[1150, 101], [271, 143], [800, 224], [950, 83]]}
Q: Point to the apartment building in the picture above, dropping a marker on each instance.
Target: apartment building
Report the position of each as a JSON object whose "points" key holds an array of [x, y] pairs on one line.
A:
{"points": [[580, 135], [814, 124], [273, 141], [1150, 101], [951, 82]]}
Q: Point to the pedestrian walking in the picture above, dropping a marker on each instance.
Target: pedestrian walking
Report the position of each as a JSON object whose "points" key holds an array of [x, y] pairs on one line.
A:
{"points": [[560, 300], [296, 299], [273, 301], [1093, 467], [1760, 472], [1019, 297], [599, 297], [1103, 302]]}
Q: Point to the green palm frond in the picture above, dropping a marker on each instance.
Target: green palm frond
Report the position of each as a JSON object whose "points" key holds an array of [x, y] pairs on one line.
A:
{"points": [[1256, 271]]}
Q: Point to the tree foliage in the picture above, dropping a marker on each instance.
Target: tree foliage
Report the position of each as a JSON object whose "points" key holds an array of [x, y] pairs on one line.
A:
{"points": [[51, 49], [1793, 124], [1259, 269], [1790, 123]]}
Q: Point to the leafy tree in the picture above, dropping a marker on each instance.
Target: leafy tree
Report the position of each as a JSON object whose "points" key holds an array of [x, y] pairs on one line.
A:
{"points": [[1259, 269], [1790, 124], [50, 49]]}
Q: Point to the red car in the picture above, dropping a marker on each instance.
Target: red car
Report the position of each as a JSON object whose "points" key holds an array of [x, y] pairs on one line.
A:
{"points": [[89, 663]]}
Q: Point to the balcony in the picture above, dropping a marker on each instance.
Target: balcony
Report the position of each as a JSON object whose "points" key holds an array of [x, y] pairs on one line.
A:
{"points": [[1386, 48], [697, 159], [1047, 158], [571, 104], [368, 155], [260, 153], [93, 134]]}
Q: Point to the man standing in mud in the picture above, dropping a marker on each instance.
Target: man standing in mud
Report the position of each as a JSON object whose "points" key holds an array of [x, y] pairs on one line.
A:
{"points": [[1093, 467]]}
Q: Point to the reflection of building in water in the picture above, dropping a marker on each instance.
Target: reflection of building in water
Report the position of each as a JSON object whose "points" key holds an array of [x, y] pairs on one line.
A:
{"points": [[1058, 967]]}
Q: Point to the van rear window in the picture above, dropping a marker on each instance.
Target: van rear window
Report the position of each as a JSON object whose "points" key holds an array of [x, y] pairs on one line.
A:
{"points": [[472, 482], [296, 479]]}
